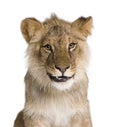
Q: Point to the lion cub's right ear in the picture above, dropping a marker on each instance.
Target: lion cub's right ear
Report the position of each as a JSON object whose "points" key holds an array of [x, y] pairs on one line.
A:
{"points": [[31, 30]]}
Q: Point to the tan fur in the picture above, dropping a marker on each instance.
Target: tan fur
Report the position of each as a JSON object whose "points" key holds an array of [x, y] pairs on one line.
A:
{"points": [[56, 48]]}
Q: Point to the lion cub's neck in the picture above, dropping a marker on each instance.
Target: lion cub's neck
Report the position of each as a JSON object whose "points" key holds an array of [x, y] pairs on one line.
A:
{"points": [[58, 106]]}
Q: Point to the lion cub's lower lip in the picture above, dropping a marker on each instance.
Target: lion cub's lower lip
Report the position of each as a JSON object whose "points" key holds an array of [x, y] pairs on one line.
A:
{"points": [[59, 78]]}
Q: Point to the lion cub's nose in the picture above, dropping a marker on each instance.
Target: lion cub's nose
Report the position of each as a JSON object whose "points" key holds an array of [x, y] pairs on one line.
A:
{"points": [[62, 69]]}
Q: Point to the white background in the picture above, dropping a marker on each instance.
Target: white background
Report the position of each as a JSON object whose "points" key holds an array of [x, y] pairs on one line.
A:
{"points": [[104, 69]]}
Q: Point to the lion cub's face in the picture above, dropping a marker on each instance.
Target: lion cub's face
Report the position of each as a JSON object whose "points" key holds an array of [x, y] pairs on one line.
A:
{"points": [[57, 50]]}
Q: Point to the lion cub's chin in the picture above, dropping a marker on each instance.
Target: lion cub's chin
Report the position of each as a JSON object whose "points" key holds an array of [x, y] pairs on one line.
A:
{"points": [[63, 85]]}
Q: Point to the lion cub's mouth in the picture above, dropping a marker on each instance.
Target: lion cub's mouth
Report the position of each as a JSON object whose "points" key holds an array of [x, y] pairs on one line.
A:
{"points": [[59, 78]]}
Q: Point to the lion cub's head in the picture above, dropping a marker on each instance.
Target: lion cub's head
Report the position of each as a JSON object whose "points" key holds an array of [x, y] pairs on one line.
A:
{"points": [[57, 50]]}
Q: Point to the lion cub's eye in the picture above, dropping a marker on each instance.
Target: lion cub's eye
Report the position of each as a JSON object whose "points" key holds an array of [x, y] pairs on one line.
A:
{"points": [[47, 47], [72, 46]]}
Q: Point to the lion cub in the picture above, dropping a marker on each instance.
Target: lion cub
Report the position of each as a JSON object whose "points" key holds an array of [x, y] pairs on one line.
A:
{"points": [[56, 80]]}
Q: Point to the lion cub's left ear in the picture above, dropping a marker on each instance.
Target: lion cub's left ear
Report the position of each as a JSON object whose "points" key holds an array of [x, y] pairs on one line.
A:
{"points": [[31, 30], [84, 25]]}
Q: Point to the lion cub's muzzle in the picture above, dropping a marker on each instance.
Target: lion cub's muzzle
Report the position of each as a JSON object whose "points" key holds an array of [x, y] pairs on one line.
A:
{"points": [[61, 78]]}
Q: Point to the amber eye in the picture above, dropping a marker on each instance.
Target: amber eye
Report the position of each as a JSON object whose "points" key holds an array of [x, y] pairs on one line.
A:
{"points": [[72, 46], [47, 47]]}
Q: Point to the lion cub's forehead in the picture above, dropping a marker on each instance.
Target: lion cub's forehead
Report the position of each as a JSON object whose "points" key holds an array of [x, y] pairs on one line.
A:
{"points": [[56, 31], [59, 31], [56, 27], [60, 38], [58, 34]]}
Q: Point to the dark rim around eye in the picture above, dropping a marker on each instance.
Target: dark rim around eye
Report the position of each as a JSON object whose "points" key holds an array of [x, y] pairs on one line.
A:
{"points": [[48, 47], [72, 45]]}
